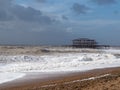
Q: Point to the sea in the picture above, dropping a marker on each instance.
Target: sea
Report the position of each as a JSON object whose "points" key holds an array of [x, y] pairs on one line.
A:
{"points": [[13, 67]]}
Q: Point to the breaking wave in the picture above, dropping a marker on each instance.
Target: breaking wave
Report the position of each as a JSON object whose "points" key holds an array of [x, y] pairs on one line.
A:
{"points": [[57, 62]]}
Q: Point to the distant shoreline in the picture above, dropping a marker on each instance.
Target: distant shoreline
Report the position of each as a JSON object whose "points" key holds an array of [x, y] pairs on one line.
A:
{"points": [[47, 46]]}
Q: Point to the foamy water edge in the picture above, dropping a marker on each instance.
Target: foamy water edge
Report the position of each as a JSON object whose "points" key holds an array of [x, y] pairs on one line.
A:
{"points": [[16, 66]]}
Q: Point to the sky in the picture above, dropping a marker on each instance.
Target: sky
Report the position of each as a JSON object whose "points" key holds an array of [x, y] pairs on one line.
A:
{"points": [[58, 22]]}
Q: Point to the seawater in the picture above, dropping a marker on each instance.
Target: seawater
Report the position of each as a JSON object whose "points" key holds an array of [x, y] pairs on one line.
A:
{"points": [[15, 66]]}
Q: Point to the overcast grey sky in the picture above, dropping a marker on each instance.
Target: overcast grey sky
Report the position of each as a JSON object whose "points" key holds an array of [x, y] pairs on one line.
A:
{"points": [[54, 22]]}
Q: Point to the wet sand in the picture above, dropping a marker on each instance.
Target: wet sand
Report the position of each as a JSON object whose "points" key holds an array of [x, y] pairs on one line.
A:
{"points": [[68, 81]]}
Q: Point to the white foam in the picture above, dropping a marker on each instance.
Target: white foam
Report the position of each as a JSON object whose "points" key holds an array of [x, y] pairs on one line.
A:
{"points": [[113, 51], [58, 62], [6, 77]]}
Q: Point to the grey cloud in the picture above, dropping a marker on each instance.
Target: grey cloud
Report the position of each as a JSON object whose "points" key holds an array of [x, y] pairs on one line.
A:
{"points": [[104, 2], [41, 1], [5, 4], [31, 33], [9, 11], [64, 17], [26, 25], [79, 8], [5, 16], [30, 14]]}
